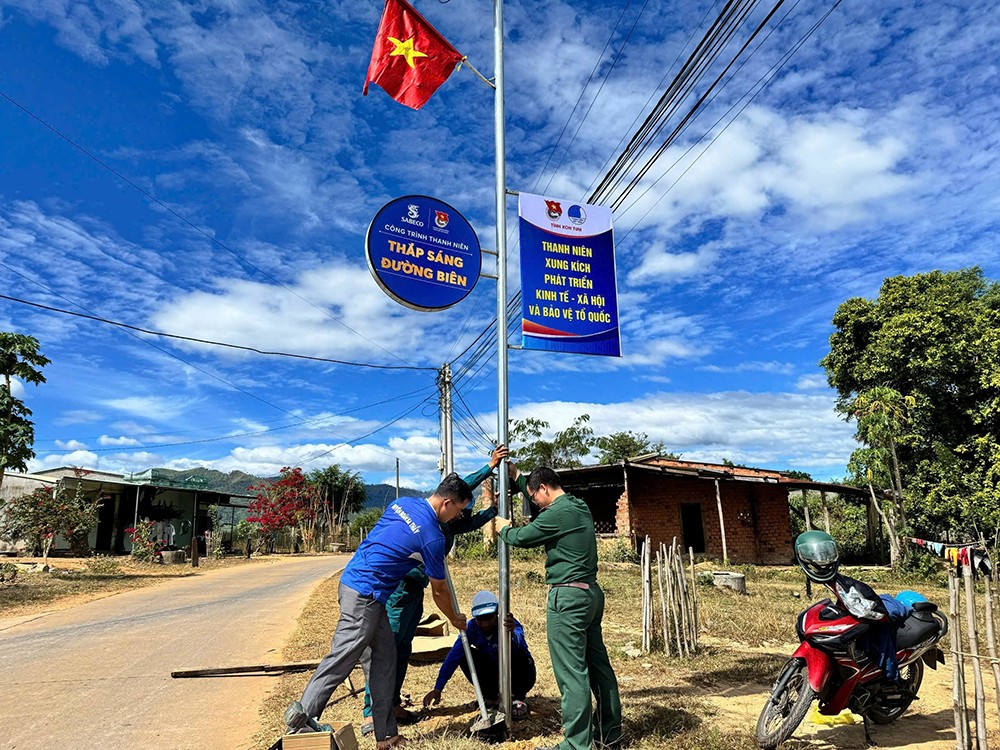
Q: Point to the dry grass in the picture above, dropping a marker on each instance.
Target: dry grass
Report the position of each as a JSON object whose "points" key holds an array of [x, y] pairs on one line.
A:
{"points": [[746, 641], [71, 581]]}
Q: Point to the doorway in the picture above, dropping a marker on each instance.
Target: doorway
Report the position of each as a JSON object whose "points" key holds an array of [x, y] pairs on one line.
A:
{"points": [[693, 526]]}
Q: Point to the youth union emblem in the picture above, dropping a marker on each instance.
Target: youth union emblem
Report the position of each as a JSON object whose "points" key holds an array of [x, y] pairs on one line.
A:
{"points": [[553, 209], [440, 219]]}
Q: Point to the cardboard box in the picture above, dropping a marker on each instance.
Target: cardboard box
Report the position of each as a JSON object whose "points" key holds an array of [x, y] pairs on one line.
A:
{"points": [[342, 738]]}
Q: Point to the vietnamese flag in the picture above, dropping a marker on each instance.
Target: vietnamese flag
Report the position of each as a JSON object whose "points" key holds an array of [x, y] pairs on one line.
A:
{"points": [[410, 59]]}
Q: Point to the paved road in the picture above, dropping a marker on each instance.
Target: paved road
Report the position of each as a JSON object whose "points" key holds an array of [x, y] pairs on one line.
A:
{"points": [[98, 675]]}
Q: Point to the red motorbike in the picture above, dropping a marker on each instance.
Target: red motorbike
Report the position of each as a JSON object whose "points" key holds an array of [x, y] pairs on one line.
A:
{"points": [[832, 664]]}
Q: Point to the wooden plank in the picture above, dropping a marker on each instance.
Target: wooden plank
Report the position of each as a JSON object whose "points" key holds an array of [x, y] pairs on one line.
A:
{"points": [[296, 666]]}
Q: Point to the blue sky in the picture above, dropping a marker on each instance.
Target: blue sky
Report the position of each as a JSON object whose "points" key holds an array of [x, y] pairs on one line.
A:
{"points": [[873, 152]]}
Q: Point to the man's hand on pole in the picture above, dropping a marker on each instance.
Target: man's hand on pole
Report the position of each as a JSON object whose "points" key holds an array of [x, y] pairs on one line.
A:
{"points": [[499, 454]]}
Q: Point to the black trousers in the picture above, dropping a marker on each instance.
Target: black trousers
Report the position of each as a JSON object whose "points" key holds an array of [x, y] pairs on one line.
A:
{"points": [[522, 674]]}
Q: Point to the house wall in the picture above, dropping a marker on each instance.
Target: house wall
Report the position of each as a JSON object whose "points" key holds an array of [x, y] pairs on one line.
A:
{"points": [[756, 515]]}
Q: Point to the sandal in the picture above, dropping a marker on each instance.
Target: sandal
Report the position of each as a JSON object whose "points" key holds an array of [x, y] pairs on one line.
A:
{"points": [[519, 710], [367, 728]]}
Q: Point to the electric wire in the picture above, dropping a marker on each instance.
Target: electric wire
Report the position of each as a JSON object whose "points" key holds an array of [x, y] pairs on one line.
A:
{"points": [[742, 103], [214, 240], [583, 91], [155, 346], [649, 99], [690, 114], [231, 436], [208, 342]]}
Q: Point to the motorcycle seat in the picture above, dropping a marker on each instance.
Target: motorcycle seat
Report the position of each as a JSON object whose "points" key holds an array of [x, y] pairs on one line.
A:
{"points": [[924, 607], [915, 630]]}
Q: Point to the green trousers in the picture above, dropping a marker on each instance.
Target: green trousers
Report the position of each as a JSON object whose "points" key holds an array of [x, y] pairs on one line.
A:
{"points": [[581, 666]]}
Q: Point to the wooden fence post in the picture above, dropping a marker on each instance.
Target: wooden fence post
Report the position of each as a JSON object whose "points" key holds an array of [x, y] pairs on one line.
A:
{"points": [[977, 670]]}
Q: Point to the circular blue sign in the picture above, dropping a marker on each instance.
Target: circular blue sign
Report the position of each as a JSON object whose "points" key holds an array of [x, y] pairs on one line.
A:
{"points": [[423, 253]]}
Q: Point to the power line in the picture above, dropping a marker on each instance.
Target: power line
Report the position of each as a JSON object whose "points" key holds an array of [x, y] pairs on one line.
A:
{"points": [[150, 343], [212, 343], [760, 85], [233, 436], [214, 240]]}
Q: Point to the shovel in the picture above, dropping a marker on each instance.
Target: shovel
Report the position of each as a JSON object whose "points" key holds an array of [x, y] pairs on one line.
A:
{"points": [[490, 729]]}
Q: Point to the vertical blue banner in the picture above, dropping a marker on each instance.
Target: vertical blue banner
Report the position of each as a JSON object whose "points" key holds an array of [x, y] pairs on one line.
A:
{"points": [[569, 292]]}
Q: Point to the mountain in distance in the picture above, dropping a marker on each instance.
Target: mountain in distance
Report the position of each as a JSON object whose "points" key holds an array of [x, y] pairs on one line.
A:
{"points": [[239, 482]]}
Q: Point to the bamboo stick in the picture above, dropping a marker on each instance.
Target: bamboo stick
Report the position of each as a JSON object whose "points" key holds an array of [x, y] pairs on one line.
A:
{"points": [[663, 606], [678, 572], [694, 595], [649, 591], [991, 637], [675, 612], [977, 669], [958, 665], [645, 604]]}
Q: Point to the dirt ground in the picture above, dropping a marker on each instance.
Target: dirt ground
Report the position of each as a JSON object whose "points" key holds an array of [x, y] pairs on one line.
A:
{"points": [[709, 702]]}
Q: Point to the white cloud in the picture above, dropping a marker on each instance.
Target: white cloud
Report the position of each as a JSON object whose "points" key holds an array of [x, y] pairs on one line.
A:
{"points": [[149, 407], [659, 265], [107, 440], [811, 383], [16, 388], [70, 445], [83, 458], [781, 368]]}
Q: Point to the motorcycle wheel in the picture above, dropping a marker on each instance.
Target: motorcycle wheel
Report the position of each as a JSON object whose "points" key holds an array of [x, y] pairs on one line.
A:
{"points": [[785, 708], [910, 678]]}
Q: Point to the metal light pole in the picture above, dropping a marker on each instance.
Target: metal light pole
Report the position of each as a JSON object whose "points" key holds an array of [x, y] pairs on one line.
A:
{"points": [[503, 499]]}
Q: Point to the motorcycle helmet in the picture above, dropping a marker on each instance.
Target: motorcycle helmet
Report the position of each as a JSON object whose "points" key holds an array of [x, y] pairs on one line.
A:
{"points": [[816, 553]]}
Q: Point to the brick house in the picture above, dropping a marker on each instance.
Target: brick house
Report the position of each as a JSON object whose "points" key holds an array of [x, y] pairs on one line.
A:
{"points": [[698, 503]]}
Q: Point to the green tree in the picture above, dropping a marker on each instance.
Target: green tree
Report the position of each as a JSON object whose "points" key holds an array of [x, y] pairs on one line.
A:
{"points": [[932, 337], [19, 358], [566, 450], [620, 446], [340, 493]]}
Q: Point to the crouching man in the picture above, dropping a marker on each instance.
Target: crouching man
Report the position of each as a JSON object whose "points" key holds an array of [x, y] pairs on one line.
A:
{"points": [[483, 631]]}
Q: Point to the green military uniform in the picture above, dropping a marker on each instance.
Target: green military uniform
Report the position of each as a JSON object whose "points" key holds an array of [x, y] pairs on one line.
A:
{"points": [[573, 620]]}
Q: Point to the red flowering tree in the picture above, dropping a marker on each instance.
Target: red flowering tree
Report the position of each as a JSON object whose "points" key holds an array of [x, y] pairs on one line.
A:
{"points": [[287, 502]]}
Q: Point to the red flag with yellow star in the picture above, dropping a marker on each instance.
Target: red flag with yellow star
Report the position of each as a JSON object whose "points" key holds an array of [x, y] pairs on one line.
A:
{"points": [[410, 59]]}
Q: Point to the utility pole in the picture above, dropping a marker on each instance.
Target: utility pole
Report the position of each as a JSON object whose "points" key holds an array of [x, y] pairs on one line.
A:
{"points": [[447, 464], [397, 479]]}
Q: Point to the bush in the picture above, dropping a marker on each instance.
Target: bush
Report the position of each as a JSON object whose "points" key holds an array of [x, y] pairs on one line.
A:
{"points": [[923, 566], [618, 551], [8, 572], [143, 543], [104, 566], [365, 520]]}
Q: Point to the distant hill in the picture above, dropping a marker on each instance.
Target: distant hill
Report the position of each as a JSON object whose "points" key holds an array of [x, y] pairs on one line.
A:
{"points": [[238, 483], [379, 495], [234, 483]]}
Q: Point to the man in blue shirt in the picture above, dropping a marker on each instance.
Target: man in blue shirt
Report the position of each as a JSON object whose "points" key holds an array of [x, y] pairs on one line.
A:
{"points": [[482, 632], [406, 605], [408, 532]]}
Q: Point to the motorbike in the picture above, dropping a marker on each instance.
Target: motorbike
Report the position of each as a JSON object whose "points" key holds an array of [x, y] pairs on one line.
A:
{"points": [[833, 665]]}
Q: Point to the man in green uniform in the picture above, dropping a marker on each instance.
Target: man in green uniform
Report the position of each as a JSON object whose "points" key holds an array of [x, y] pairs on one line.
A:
{"points": [[574, 611]]}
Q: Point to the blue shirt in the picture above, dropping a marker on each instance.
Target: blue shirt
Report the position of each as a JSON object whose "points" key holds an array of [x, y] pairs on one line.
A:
{"points": [[407, 533], [485, 644]]}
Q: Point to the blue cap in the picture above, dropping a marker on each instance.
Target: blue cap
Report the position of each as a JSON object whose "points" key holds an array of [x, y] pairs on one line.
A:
{"points": [[484, 603]]}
